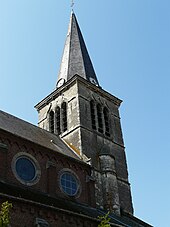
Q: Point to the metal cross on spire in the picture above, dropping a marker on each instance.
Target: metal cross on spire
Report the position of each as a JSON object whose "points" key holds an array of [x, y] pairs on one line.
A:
{"points": [[72, 4]]}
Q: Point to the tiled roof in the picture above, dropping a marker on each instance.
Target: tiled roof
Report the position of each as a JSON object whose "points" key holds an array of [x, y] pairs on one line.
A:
{"points": [[34, 134]]}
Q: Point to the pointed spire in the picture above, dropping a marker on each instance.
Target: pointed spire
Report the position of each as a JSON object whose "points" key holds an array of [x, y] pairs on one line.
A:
{"points": [[75, 59]]}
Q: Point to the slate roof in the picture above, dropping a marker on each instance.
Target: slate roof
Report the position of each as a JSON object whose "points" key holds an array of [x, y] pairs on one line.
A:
{"points": [[75, 59], [25, 130], [21, 194]]}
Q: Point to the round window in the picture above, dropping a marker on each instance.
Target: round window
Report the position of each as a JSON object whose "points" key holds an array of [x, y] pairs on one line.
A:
{"points": [[69, 183], [26, 168]]}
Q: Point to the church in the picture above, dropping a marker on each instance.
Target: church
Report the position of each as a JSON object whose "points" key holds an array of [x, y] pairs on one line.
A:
{"points": [[71, 168]]}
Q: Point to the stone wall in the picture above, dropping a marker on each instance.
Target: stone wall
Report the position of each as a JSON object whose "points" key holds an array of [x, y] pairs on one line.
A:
{"points": [[92, 143]]}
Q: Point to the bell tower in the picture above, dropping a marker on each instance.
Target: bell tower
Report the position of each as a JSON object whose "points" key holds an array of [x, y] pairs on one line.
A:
{"points": [[87, 118]]}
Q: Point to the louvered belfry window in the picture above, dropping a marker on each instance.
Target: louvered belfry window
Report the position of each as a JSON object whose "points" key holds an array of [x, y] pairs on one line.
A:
{"points": [[51, 121], [93, 117], [58, 119], [99, 117], [64, 116], [58, 125], [106, 121]]}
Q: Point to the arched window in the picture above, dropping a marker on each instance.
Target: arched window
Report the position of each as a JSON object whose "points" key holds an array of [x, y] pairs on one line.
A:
{"points": [[106, 121], [93, 118], [39, 222], [100, 120], [51, 121], [58, 125], [64, 116]]}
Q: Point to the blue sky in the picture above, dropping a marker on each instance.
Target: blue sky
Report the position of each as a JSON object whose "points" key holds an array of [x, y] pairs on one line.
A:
{"points": [[129, 44]]}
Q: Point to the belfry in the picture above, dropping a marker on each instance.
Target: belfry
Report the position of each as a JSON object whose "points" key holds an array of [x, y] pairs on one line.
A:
{"points": [[87, 117], [71, 168]]}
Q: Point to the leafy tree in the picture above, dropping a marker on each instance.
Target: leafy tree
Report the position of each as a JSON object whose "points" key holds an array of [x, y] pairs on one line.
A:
{"points": [[104, 221], [4, 214]]}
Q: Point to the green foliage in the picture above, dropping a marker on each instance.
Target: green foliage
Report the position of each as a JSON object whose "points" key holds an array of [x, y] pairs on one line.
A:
{"points": [[4, 214], [104, 221]]}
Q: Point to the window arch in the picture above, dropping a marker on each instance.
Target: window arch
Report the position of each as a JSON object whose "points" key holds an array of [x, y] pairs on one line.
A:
{"points": [[51, 121], [106, 121], [64, 116], [58, 119], [39, 222], [93, 117], [99, 117], [58, 125]]}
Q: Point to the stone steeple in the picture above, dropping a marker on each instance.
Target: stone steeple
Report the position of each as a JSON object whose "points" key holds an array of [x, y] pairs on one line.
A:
{"points": [[87, 118], [75, 59]]}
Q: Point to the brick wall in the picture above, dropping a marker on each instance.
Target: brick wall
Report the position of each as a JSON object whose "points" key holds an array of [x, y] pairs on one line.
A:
{"points": [[51, 164], [26, 214]]}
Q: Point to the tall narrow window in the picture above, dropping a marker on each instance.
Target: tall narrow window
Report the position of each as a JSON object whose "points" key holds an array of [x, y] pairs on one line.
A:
{"points": [[93, 119], [58, 126], [51, 121], [64, 116], [106, 121], [100, 120]]}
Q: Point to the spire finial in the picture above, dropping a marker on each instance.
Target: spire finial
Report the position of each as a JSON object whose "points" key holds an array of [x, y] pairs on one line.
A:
{"points": [[75, 59], [72, 4]]}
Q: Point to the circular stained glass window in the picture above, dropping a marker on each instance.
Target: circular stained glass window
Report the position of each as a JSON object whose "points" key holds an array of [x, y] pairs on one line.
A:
{"points": [[25, 169], [69, 183]]}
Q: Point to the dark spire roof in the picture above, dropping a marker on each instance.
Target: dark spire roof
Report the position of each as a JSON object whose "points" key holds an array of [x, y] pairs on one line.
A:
{"points": [[75, 59]]}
